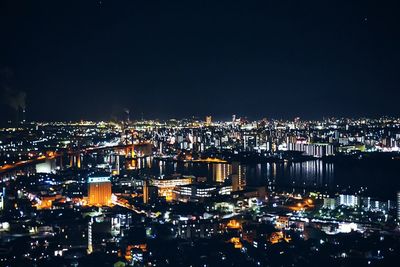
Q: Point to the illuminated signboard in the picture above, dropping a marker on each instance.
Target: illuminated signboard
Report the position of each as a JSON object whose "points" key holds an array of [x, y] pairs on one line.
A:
{"points": [[98, 179]]}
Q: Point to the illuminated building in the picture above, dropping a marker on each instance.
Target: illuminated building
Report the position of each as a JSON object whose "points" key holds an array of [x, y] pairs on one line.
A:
{"points": [[150, 192], [282, 222], [145, 192], [398, 205], [329, 203], [134, 253], [236, 242], [208, 120], [75, 161], [316, 150], [166, 186], [221, 172], [123, 221], [199, 192], [238, 179], [277, 237], [117, 169], [90, 232], [348, 200], [172, 181], [233, 224], [2, 198], [205, 228], [249, 142], [257, 192], [48, 166], [46, 202], [99, 191]]}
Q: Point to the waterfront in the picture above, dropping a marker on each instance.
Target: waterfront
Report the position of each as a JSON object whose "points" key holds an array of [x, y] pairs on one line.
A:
{"points": [[380, 178]]}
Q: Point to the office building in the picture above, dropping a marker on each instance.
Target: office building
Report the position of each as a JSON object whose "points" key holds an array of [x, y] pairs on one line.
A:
{"points": [[208, 120], [99, 191], [348, 200], [237, 176], [398, 205], [150, 192]]}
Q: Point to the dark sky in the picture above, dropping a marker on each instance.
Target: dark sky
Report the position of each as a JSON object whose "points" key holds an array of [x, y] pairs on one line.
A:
{"points": [[87, 59]]}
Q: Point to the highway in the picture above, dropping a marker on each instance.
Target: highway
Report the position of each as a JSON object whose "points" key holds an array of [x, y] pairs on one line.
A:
{"points": [[20, 164], [52, 155]]}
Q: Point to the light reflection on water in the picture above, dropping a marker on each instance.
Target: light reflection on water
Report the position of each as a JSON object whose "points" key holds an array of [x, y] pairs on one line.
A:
{"points": [[310, 173], [381, 179]]}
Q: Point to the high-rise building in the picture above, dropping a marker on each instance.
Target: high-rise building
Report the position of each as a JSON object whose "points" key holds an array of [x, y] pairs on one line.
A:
{"points": [[150, 192], [165, 185], [2, 198], [145, 192], [90, 237], [75, 161], [221, 171], [249, 142], [348, 200], [398, 205], [329, 203], [117, 168], [48, 166], [316, 150], [99, 191], [238, 179], [208, 120]]}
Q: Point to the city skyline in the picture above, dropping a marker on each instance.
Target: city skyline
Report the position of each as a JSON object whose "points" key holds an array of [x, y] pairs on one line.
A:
{"points": [[241, 193]]}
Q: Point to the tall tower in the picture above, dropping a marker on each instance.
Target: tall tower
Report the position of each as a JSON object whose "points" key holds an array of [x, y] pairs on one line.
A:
{"points": [[75, 160], [99, 191], [2, 198], [238, 179], [145, 192], [398, 205], [221, 171], [90, 242], [208, 120], [78, 161]]}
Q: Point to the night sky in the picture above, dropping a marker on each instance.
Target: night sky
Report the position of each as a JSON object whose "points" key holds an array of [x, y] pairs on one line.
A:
{"points": [[89, 59]]}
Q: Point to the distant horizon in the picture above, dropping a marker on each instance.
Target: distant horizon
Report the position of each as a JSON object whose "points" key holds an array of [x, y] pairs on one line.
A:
{"points": [[277, 59], [214, 119]]}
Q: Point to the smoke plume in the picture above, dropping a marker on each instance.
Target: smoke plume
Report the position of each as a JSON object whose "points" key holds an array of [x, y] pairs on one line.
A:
{"points": [[15, 99]]}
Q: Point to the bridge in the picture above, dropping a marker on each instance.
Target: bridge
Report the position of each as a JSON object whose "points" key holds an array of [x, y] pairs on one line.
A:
{"points": [[74, 155]]}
